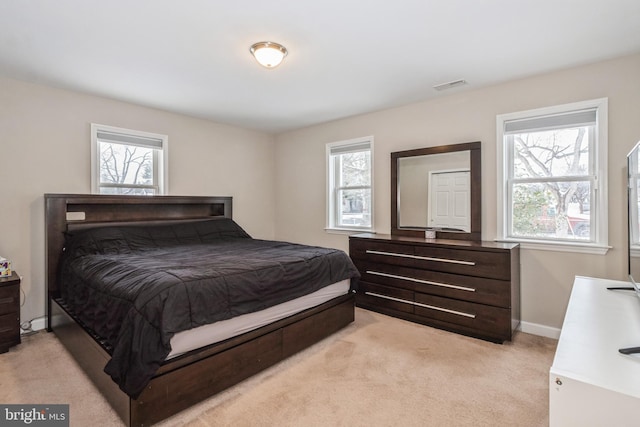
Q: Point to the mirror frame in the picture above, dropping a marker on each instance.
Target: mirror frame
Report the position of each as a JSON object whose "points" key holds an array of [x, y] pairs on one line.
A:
{"points": [[476, 191]]}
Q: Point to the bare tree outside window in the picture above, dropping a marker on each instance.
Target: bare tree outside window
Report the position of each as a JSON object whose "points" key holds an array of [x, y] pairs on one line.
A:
{"points": [[552, 175], [126, 169], [552, 183]]}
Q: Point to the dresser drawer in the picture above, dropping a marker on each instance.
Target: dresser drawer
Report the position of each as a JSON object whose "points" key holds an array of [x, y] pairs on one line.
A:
{"points": [[491, 321], [9, 328], [371, 294], [478, 263], [494, 265], [468, 288], [9, 299], [379, 252]]}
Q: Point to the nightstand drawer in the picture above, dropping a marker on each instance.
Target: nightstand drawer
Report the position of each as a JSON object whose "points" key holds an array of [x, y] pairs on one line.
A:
{"points": [[10, 328], [9, 299]]}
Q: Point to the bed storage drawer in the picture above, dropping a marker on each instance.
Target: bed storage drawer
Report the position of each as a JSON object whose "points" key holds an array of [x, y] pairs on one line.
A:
{"points": [[468, 287]]}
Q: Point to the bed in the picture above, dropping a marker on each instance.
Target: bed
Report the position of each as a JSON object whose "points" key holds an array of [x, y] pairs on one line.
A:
{"points": [[155, 347]]}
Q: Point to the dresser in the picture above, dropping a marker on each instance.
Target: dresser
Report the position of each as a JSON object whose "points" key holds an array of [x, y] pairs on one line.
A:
{"points": [[468, 287], [9, 312]]}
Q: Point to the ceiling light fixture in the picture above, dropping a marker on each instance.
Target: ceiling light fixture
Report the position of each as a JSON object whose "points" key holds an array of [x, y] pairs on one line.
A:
{"points": [[268, 54], [449, 85]]}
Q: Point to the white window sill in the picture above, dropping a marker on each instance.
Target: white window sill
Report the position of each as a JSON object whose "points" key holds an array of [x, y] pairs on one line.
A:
{"points": [[585, 248], [348, 230]]}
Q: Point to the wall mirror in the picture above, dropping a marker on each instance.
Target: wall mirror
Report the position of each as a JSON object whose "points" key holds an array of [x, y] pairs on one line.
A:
{"points": [[437, 188]]}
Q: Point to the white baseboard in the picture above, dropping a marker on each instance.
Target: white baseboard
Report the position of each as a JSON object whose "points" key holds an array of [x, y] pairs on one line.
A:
{"points": [[39, 324], [527, 327], [541, 330]]}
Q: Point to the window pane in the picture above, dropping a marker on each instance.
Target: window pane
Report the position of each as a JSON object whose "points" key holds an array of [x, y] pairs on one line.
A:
{"points": [[563, 152], [355, 208], [349, 184], [634, 211], [125, 164], [128, 191], [355, 169], [557, 210]]}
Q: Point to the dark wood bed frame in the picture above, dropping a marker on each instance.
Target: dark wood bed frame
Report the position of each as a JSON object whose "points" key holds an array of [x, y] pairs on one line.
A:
{"points": [[185, 380]]}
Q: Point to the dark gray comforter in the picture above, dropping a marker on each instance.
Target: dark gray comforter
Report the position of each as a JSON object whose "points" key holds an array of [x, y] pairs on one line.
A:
{"points": [[135, 287]]}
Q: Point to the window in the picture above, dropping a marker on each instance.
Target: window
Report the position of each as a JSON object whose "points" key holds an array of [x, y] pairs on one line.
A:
{"points": [[633, 171], [349, 183], [552, 188], [126, 161]]}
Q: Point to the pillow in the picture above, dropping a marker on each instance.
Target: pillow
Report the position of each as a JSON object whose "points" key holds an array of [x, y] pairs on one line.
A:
{"points": [[130, 238]]}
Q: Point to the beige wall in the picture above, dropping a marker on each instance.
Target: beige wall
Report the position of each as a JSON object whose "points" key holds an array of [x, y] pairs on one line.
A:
{"points": [[45, 148], [279, 188], [463, 117]]}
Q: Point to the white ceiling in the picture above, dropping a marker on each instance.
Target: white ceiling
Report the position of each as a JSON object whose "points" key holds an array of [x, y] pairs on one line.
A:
{"points": [[346, 57]]}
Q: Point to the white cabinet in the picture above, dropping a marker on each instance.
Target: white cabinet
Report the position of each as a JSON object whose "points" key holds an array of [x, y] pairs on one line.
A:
{"points": [[591, 383]]}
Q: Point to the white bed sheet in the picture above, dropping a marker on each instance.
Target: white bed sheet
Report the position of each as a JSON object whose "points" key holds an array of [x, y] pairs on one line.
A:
{"points": [[201, 336]]}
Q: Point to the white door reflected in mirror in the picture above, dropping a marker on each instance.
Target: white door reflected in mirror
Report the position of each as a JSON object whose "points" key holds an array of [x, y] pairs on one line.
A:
{"points": [[449, 200]]}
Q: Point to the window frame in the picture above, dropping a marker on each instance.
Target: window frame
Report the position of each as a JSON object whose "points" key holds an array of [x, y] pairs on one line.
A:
{"points": [[599, 204], [160, 158], [332, 207]]}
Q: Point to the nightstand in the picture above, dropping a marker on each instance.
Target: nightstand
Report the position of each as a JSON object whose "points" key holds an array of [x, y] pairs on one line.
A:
{"points": [[9, 312]]}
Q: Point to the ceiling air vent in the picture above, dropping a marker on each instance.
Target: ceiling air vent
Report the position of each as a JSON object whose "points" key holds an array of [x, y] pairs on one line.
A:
{"points": [[449, 85]]}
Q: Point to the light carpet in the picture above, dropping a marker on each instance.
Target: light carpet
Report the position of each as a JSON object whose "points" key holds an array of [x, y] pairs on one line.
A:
{"points": [[379, 371]]}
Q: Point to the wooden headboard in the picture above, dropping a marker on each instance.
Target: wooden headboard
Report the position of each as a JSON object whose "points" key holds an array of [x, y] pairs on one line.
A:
{"points": [[64, 212]]}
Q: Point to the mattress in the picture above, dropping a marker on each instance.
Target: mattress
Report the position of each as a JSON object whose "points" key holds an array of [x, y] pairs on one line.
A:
{"points": [[202, 336]]}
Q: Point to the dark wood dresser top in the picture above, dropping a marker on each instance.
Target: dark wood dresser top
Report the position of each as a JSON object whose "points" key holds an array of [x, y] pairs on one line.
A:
{"points": [[448, 243]]}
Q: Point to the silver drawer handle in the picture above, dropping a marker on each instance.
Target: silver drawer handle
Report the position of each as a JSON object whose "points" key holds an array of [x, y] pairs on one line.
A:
{"points": [[446, 310], [5, 329], [432, 307], [425, 258], [8, 300], [427, 282], [388, 297]]}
